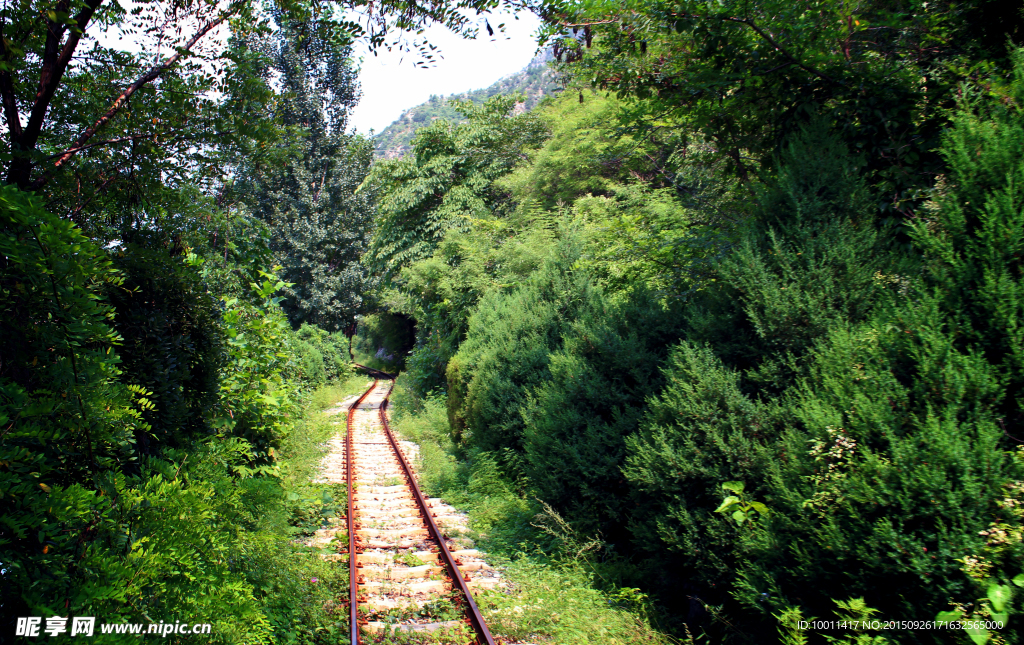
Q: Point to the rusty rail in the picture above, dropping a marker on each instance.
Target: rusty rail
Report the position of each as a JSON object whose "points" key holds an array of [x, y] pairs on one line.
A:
{"points": [[353, 571], [477, 620]]}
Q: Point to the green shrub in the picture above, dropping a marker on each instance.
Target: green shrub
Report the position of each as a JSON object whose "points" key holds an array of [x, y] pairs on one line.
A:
{"points": [[332, 347], [700, 431], [172, 342], [562, 606], [869, 407], [306, 364], [545, 600], [805, 267], [808, 262], [89, 526], [442, 291], [257, 402], [886, 474], [972, 234], [66, 416], [577, 419], [507, 350]]}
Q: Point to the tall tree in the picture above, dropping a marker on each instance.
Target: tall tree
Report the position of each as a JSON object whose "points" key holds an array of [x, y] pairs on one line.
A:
{"points": [[320, 225], [448, 179], [745, 76], [108, 131], [71, 98]]}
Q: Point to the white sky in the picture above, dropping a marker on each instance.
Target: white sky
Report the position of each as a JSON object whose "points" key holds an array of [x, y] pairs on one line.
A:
{"points": [[392, 84], [390, 81]]}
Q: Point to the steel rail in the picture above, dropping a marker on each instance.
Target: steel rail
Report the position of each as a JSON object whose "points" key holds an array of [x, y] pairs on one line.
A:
{"points": [[353, 571], [477, 620]]}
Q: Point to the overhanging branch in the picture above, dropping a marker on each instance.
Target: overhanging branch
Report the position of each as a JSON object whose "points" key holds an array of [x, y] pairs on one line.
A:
{"points": [[149, 76]]}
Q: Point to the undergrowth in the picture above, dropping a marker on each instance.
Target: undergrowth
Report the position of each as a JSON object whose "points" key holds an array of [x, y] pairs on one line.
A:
{"points": [[302, 594], [553, 591]]}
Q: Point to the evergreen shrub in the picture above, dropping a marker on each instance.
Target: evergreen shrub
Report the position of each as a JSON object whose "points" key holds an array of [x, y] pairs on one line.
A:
{"points": [[507, 351], [306, 364], [576, 421], [867, 400]]}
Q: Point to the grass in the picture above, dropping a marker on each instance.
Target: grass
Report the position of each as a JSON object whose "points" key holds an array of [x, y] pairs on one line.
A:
{"points": [[560, 605], [550, 594], [310, 504], [331, 394], [458, 635]]}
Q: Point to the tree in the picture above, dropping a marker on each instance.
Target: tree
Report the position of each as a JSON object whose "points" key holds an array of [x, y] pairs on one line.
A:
{"points": [[319, 224], [104, 107], [137, 126], [747, 75], [448, 180]]}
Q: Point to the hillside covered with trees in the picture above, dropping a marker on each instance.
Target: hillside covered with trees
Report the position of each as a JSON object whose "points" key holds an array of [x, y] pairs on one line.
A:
{"points": [[534, 82], [721, 340]]}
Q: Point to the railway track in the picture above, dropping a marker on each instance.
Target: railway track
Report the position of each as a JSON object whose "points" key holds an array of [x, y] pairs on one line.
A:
{"points": [[407, 574], [373, 372]]}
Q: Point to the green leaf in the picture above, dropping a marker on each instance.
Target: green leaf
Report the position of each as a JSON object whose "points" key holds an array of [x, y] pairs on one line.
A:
{"points": [[999, 596], [949, 616], [727, 503], [978, 635], [1019, 580], [759, 507], [739, 516], [736, 487]]}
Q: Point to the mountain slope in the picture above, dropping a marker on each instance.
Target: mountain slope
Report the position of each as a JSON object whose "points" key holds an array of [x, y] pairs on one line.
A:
{"points": [[536, 81]]}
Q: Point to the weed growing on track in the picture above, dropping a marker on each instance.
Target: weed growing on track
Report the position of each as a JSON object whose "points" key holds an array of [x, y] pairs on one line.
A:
{"points": [[458, 635]]}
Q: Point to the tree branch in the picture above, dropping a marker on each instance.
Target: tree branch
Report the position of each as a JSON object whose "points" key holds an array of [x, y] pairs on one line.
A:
{"points": [[134, 137], [55, 60], [760, 32], [743, 21], [150, 75], [55, 63], [588, 24]]}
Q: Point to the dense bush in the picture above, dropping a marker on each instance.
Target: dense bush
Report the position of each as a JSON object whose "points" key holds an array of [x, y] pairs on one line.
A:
{"points": [[172, 342], [64, 413], [808, 261], [866, 407], [576, 420], [441, 292], [333, 348], [856, 378], [508, 348], [307, 364], [179, 525]]}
